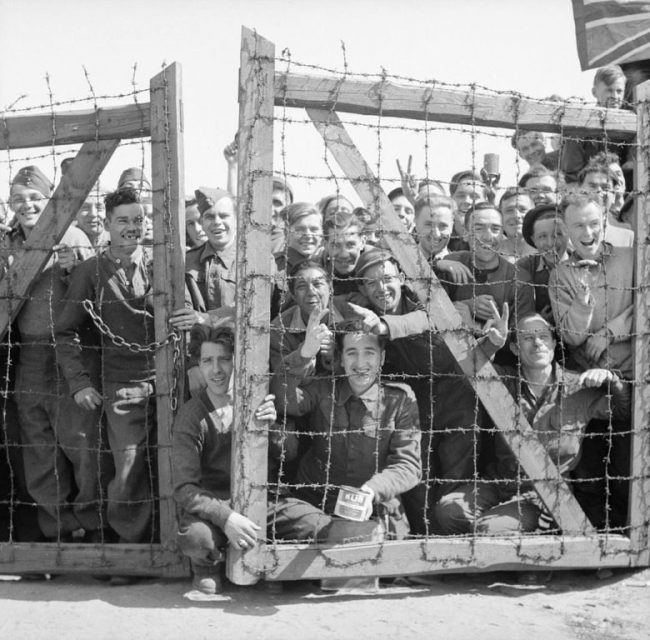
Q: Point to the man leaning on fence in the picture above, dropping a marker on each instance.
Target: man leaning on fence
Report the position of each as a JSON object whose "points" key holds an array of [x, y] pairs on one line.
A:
{"points": [[60, 441], [112, 292], [558, 404]]}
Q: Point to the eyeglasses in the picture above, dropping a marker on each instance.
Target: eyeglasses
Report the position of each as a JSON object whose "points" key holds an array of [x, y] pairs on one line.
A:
{"points": [[18, 201]]}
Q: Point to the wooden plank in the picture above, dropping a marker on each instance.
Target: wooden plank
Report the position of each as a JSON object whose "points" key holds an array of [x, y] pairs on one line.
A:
{"points": [[73, 127], [109, 559], [437, 103], [168, 182], [639, 507], [59, 213], [250, 441], [446, 555], [497, 400]]}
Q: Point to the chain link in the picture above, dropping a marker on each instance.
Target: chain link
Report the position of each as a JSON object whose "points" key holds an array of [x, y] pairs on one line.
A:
{"points": [[172, 338]]}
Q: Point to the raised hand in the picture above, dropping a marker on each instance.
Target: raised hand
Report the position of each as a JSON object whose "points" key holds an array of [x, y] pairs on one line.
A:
{"points": [[496, 327], [266, 411], [454, 271], [371, 322], [594, 378], [483, 306], [315, 334], [409, 183], [230, 152]]}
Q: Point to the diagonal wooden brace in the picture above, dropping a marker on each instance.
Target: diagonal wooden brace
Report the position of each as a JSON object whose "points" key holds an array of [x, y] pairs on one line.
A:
{"points": [[497, 400], [59, 213]]}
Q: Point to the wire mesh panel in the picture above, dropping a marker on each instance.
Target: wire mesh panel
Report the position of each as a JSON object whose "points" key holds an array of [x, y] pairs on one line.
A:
{"points": [[454, 358], [89, 279]]}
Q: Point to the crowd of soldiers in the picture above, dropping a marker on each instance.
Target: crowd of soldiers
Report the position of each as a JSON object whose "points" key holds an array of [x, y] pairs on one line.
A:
{"points": [[364, 392]]}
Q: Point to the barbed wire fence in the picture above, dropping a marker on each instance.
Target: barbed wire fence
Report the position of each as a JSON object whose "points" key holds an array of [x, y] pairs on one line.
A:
{"points": [[576, 487], [466, 406], [59, 495]]}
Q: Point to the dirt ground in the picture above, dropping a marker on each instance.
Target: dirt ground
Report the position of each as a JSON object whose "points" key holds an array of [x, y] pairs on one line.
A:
{"points": [[493, 606]]}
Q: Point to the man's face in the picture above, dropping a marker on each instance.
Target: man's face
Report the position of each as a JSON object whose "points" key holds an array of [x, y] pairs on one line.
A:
{"points": [[585, 228], [220, 224], [362, 358], [337, 205], [609, 95], [433, 228], [382, 285], [27, 204], [193, 226], [344, 247], [468, 193], [601, 186], [535, 343], [542, 190], [484, 234], [514, 211], [306, 234], [125, 225], [279, 200], [91, 216], [550, 239], [404, 210], [311, 290], [530, 147], [216, 364]]}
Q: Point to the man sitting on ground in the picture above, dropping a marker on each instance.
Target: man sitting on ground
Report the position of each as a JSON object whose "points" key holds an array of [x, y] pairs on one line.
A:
{"points": [[558, 404]]}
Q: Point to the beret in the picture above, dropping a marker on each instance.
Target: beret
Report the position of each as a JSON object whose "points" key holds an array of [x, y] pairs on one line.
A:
{"points": [[531, 218]]}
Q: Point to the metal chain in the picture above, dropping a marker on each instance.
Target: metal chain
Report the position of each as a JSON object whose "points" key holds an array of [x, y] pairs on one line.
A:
{"points": [[174, 337]]}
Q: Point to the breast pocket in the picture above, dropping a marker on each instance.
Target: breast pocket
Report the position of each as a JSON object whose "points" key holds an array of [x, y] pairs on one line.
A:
{"points": [[372, 427]]}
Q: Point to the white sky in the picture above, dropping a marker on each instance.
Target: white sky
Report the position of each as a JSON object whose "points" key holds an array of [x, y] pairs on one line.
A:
{"points": [[503, 44]]}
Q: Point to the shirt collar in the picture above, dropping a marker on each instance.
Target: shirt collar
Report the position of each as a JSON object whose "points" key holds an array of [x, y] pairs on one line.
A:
{"points": [[370, 397], [135, 257], [227, 256]]}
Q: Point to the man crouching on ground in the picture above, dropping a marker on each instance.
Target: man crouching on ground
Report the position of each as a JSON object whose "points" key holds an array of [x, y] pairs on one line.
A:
{"points": [[201, 459]]}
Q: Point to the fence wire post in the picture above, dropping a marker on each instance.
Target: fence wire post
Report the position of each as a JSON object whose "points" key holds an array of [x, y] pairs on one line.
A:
{"points": [[250, 441], [169, 272], [639, 508]]}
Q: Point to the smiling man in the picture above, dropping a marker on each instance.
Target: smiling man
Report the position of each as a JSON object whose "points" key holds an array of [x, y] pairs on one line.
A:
{"points": [[210, 269], [558, 404], [592, 292], [344, 244], [365, 434], [60, 440], [201, 457], [118, 284], [493, 277], [91, 218]]}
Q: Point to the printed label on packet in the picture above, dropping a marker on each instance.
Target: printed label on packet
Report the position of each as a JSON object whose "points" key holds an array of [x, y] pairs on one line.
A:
{"points": [[353, 504]]}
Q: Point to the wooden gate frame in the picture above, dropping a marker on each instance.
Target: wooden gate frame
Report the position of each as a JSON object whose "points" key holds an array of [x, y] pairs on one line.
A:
{"points": [[101, 130], [261, 87]]}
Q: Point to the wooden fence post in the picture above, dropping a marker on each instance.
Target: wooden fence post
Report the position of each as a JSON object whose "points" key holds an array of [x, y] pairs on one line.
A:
{"points": [[250, 441], [639, 506], [169, 272]]}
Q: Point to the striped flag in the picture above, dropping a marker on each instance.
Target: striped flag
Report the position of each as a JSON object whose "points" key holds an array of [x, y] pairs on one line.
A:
{"points": [[611, 31]]}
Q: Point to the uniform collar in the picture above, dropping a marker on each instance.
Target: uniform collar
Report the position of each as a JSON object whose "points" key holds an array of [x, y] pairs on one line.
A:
{"points": [[133, 259], [370, 397], [226, 256]]}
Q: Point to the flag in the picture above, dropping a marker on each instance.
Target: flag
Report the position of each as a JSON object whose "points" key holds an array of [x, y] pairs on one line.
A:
{"points": [[611, 31]]}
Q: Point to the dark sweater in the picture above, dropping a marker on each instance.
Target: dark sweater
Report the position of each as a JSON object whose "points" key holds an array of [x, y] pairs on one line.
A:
{"points": [[124, 304]]}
